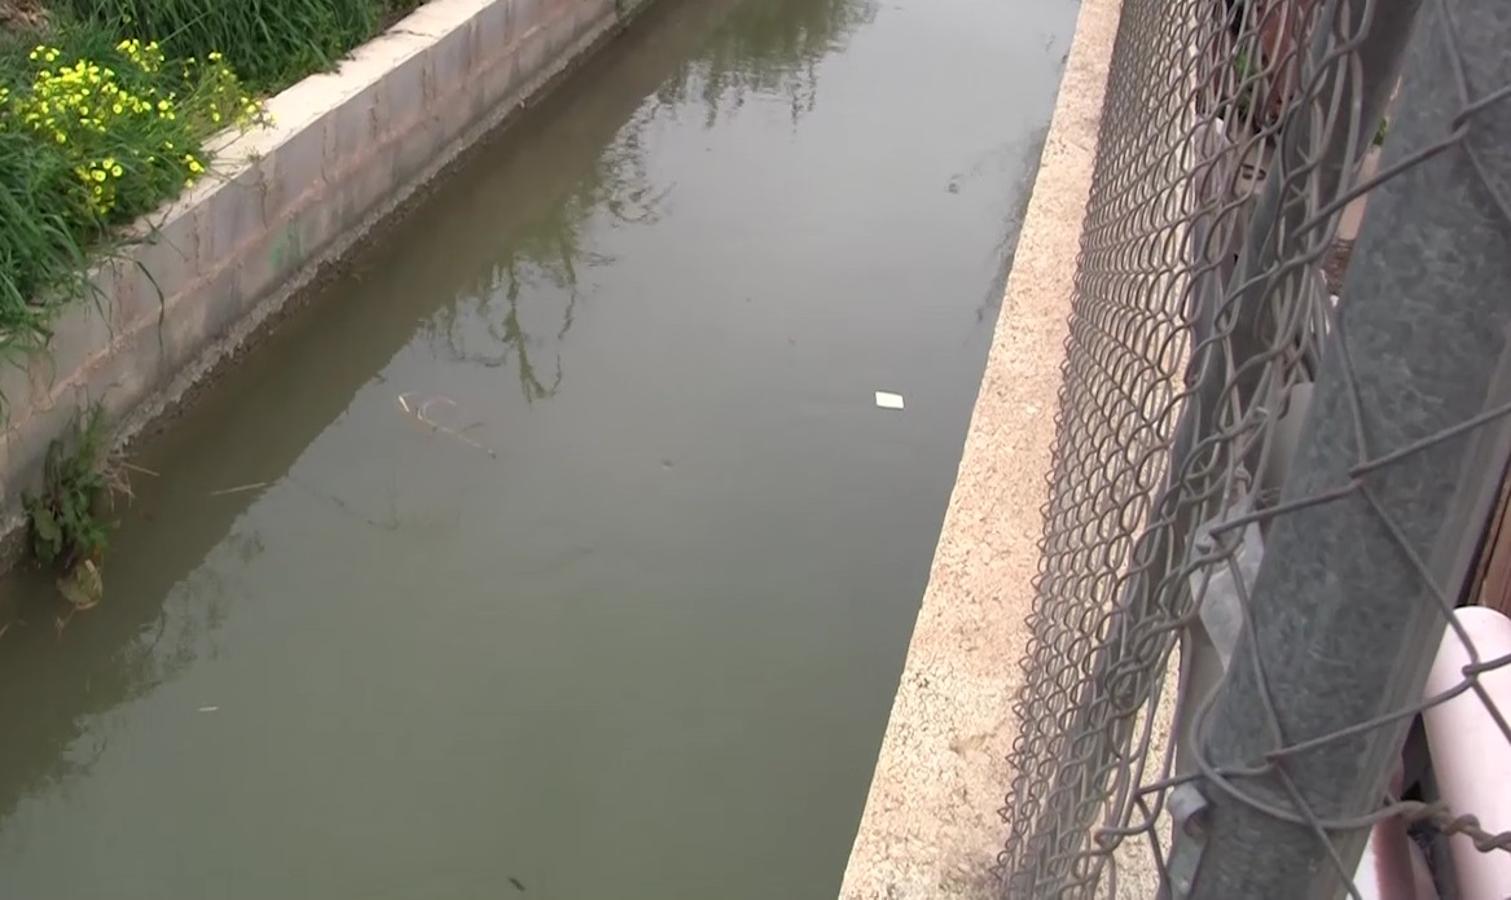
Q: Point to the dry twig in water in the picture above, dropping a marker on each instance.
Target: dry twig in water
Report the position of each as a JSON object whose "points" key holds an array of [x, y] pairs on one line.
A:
{"points": [[420, 413]]}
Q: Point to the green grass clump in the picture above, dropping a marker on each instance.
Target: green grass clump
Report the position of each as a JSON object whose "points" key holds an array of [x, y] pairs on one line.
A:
{"points": [[81, 478], [104, 115], [94, 132], [272, 43]]}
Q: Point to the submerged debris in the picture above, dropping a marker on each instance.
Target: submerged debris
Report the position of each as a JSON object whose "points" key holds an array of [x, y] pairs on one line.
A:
{"points": [[421, 414], [82, 586]]}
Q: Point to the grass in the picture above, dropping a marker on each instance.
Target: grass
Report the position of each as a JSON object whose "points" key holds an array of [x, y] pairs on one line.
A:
{"points": [[271, 42], [104, 111], [94, 131]]}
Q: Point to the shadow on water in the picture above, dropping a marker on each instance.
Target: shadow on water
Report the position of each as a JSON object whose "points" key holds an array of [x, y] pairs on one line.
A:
{"points": [[468, 291], [1027, 153]]}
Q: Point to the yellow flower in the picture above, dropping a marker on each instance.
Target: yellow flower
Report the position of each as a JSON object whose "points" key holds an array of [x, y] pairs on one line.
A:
{"points": [[162, 105], [60, 137], [97, 175], [116, 170]]}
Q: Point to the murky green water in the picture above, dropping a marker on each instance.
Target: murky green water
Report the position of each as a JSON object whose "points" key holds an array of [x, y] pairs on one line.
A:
{"points": [[628, 622]]}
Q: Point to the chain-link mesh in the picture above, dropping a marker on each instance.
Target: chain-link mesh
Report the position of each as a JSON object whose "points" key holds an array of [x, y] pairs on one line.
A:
{"points": [[1276, 455]]}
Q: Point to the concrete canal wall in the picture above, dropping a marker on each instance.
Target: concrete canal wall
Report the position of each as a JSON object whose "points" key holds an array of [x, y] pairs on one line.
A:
{"points": [[931, 830], [344, 150]]}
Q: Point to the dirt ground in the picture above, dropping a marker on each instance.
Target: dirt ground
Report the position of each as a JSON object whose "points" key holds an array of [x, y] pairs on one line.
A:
{"points": [[21, 14]]}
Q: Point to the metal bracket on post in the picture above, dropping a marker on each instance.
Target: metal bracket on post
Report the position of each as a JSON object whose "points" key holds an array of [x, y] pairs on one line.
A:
{"points": [[1217, 587], [1188, 813]]}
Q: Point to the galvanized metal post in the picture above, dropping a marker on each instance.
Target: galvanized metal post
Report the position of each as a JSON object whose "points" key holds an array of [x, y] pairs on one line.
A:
{"points": [[1342, 623], [1274, 237], [1272, 267]]}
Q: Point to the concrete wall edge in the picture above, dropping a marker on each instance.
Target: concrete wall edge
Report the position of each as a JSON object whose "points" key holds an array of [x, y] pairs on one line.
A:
{"points": [[202, 276]]}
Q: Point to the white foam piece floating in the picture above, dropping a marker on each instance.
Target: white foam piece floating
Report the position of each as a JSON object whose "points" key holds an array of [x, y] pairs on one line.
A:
{"points": [[887, 400]]}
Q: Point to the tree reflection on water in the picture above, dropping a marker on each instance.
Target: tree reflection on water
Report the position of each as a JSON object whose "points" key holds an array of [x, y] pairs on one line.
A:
{"points": [[757, 49], [769, 49]]}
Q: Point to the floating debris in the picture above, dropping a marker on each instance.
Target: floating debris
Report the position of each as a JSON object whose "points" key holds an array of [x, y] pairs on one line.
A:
{"points": [[83, 587], [887, 400], [421, 413], [239, 489]]}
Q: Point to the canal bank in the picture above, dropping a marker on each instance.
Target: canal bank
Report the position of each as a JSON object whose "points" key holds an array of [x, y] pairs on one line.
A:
{"points": [[623, 614], [344, 150], [931, 828]]}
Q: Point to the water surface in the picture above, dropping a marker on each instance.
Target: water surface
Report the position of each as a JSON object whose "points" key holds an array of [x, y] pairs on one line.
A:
{"points": [[559, 550]]}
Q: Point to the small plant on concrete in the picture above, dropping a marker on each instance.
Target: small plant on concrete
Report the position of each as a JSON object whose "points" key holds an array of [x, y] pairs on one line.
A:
{"points": [[81, 477]]}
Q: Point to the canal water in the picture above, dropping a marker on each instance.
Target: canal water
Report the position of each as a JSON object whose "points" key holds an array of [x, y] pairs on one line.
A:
{"points": [[560, 549]]}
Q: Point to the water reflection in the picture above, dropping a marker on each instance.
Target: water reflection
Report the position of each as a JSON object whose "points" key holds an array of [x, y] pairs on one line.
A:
{"points": [[61, 677], [769, 49], [542, 270], [505, 296]]}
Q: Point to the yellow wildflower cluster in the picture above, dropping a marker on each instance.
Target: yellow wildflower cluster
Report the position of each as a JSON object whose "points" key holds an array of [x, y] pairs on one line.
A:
{"points": [[82, 97], [84, 107], [101, 177], [226, 100], [147, 57], [113, 129]]}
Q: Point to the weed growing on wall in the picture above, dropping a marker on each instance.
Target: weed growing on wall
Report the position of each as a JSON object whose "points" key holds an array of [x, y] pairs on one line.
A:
{"points": [[81, 478]]}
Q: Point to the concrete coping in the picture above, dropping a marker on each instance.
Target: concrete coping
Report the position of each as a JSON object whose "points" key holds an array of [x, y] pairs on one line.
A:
{"points": [[931, 828]]}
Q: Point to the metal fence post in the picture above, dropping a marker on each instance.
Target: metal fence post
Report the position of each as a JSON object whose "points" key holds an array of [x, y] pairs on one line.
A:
{"points": [[1345, 614], [1281, 246]]}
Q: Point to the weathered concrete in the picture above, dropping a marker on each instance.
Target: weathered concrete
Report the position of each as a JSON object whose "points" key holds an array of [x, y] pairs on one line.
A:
{"points": [[931, 828], [346, 148]]}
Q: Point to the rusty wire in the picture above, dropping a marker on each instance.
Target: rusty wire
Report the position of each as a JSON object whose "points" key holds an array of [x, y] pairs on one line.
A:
{"points": [[1184, 351]]}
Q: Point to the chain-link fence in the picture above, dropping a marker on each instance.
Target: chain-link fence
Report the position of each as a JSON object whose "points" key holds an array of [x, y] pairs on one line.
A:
{"points": [[1251, 672]]}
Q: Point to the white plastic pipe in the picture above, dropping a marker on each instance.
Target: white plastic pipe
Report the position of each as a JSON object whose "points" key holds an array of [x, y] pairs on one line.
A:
{"points": [[1470, 757]]}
